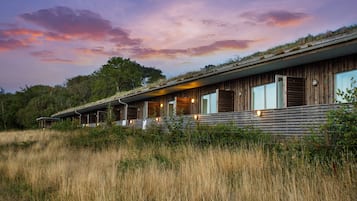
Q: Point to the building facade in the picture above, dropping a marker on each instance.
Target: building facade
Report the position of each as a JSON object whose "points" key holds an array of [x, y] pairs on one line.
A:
{"points": [[287, 93]]}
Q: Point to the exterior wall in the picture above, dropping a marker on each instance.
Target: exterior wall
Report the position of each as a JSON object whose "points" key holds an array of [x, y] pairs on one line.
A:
{"points": [[323, 71], [234, 99]]}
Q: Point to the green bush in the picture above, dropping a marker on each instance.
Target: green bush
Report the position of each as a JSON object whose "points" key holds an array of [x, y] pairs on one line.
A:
{"points": [[338, 136], [227, 135], [65, 125], [99, 138]]}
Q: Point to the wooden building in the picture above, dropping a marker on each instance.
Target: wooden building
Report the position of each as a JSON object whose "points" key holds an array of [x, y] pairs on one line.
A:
{"points": [[284, 93]]}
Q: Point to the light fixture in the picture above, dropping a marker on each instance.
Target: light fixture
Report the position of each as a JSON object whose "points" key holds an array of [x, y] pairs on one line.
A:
{"points": [[161, 105], [259, 113], [157, 119], [131, 122], [192, 100], [315, 83], [195, 117]]}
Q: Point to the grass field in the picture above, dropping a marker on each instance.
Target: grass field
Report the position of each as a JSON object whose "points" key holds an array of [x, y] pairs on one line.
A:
{"points": [[39, 165]]}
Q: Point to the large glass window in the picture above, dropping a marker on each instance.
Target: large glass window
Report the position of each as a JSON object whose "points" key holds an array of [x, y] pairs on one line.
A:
{"points": [[264, 96], [209, 103], [344, 81]]}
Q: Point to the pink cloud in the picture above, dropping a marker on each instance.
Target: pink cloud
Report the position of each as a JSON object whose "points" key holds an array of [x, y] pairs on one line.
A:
{"points": [[275, 18], [196, 51], [49, 56], [16, 38], [83, 24], [10, 44], [94, 51]]}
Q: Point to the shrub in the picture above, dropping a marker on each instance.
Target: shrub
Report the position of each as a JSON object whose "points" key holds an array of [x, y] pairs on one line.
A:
{"points": [[338, 135], [65, 125], [99, 138]]}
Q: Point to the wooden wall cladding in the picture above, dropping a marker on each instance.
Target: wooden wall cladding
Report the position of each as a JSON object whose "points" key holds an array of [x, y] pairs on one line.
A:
{"points": [[295, 91], [225, 101], [153, 109], [183, 105], [322, 71], [132, 113]]}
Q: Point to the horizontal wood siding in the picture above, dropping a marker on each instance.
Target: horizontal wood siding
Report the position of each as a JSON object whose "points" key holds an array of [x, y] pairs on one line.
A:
{"points": [[289, 122]]}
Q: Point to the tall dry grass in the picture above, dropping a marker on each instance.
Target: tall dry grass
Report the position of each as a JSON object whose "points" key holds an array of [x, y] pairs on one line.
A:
{"points": [[163, 173]]}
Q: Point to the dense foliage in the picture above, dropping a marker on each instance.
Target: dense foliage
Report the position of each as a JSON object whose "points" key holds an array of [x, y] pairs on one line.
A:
{"points": [[20, 110]]}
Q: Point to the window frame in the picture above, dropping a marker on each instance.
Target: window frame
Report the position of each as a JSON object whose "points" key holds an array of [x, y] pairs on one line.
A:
{"points": [[349, 80], [265, 104], [212, 99]]}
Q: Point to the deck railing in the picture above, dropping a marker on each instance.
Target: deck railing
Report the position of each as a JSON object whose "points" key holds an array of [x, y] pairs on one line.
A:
{"points": [[291, 121]]}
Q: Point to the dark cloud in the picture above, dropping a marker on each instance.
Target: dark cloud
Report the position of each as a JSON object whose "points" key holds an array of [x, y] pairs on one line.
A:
{"points": [[121, 38], [67, 21], [83, 24], [196, 51], [49, 56], [275, 18]]}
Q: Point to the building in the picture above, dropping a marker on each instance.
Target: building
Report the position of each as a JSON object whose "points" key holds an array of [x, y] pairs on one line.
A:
{"points": [[287, 92]]}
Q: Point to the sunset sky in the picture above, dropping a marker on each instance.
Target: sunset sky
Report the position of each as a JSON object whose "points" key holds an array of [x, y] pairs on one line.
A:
{"points": [[49, 41]]}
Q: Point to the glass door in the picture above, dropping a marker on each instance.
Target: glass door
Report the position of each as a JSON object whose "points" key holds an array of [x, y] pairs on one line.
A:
{"points": [[281, 98]]}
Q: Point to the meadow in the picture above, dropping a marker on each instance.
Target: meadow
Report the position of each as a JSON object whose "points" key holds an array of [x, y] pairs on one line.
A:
{"points": [[50, 165]]}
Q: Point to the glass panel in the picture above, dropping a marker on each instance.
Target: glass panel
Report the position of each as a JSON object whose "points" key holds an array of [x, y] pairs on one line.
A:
{"points": [[270, 96], [280, 92], [264, 97], [209, 103], [258, 98], [213, 103], [205, 104], [344, 81]]}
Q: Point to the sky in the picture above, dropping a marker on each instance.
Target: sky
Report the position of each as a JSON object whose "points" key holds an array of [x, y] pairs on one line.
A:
{"points": [[49, 41]]}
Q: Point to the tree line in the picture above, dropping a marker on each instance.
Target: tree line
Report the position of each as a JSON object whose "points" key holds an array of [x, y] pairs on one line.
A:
{"points": [[19, 110]]}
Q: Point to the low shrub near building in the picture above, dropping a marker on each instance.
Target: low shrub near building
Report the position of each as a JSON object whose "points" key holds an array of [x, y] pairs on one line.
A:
{"points": [[65, 125]]}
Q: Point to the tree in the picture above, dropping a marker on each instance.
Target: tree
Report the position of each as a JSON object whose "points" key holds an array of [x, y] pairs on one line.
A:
{"points": [[121, 75], [79, 89]]}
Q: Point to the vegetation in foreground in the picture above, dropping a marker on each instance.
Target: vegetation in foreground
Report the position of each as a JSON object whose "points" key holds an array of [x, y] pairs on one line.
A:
{"points": [[52, 165]]}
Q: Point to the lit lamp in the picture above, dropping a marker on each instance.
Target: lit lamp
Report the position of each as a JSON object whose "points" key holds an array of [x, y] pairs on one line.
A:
{"points": [[157, 119], [195, 117], [259, 113], [192, 100], [131, 122], [161, 105]]}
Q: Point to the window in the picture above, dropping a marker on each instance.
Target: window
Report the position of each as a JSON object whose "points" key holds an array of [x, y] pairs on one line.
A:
{"points": [[209, 103], [264, 96], [344, 81]]}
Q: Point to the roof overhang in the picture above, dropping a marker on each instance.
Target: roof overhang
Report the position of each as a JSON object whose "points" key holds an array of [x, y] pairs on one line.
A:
{"points": [[47, 119], [332, 49]]}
